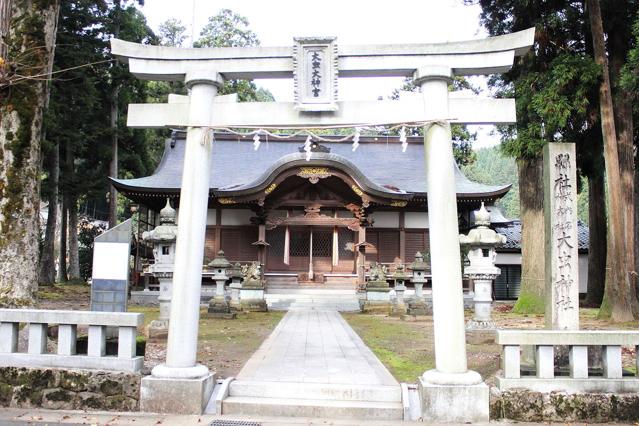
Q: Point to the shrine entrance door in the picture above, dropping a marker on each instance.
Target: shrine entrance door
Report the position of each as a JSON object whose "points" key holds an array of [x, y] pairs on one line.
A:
{"points": [[311, 250]]}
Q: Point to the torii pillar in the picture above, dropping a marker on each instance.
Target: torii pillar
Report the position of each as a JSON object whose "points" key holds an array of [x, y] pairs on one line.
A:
{"points": [[450, 392], [180, 385]]}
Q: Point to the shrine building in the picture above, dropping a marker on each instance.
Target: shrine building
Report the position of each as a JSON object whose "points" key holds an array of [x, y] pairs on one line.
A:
{"points": [[311, 222]]}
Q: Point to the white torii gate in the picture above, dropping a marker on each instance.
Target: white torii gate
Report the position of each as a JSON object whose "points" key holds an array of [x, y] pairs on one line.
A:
{"points": [[450, 392]]}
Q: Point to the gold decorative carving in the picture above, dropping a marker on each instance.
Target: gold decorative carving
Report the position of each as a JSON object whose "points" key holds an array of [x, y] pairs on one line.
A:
{"points": [[399, 203], [226, 201], [314, 174], [356, 190], [270, 189]]}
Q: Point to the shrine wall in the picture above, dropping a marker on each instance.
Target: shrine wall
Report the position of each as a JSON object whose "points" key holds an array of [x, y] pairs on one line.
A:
{"points": [[416, 220], [386, 219], [236, 217]]}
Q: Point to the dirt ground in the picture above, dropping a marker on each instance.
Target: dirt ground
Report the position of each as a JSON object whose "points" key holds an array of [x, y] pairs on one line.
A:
{"points": [[406, 348], [223, 345]]}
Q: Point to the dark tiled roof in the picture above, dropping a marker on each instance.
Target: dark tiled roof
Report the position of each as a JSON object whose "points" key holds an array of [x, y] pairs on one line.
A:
{"points": [[235, 165], [512, 233]]}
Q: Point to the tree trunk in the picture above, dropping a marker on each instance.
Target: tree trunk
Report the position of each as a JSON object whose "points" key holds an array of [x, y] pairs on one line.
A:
{"points": [[531, 196], [47, 257], [597, 243], [62, 265], [620, 301], [5, 16], [28, 30], [113, 166], [619, 44], [636, 220], [74, 260]]}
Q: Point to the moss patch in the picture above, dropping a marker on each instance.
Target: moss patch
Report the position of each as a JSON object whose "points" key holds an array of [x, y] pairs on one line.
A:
{"points": [[529, 303], [404, 348]]}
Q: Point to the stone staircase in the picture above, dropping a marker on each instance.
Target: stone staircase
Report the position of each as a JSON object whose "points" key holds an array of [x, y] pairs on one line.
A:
{"points": [[279, 299], [337, 293], [318, 400]]}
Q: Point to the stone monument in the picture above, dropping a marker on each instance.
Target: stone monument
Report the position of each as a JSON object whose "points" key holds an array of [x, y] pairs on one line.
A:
{"points": [[481, 242], [218, 306], [560, 211], [377, 290], [418, 306], [163, 239], [253, 286]]}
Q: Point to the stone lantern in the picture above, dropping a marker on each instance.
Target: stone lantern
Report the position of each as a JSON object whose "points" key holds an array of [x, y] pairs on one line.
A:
{"points": [[218, 306], [420, 269], [481, 242], [163, 238]]}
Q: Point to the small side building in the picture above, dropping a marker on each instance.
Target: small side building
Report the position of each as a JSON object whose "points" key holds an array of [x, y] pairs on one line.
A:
{"points": [[507, 285]]}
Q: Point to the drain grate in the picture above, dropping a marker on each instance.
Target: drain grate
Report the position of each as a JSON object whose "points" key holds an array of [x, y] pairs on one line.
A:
{"points": [[233, 423]]}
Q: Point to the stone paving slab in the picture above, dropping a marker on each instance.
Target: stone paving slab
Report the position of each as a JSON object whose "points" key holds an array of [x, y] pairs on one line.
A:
{"points": [[37, 416], [315, 347]]}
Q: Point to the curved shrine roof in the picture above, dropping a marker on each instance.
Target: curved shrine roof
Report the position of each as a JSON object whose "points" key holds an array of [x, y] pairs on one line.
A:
{"points": [[236, 166]]}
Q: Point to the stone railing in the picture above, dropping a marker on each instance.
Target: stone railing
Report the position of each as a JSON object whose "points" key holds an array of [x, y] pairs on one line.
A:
{"points": [[577, 377], [37, 323]]}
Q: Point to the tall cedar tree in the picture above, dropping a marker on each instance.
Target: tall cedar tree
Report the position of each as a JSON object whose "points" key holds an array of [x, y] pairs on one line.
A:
{"points": [[27, 44], [620, 298], [556, 90], [79, 117]]}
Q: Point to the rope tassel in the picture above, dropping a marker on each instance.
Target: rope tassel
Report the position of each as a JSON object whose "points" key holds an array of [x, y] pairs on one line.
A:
{"points": [[356, 139], [307, 148], [256, 141], [403, 139]]}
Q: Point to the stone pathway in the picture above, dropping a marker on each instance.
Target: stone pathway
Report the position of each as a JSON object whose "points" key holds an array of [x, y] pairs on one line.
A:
{"points": [[315, 365], [316, 347]]}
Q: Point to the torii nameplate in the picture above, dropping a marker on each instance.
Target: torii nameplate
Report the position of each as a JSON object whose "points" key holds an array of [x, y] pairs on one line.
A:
{"points": [[315, 73]]}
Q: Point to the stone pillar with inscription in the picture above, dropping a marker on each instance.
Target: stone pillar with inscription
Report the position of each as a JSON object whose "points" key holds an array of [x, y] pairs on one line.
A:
{"points": [[560, 211]]}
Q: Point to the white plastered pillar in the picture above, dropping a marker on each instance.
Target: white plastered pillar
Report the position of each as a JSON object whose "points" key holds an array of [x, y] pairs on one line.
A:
{"points": [[181, 352], [450, 383]]}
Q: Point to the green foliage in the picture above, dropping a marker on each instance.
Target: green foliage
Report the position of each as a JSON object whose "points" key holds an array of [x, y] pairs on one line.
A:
{"points": [[81, 96], [555, 84], [529, 303], [630, 75], [492, 167], [227, 29], [462, 138], [172, 33], [87, 231]]}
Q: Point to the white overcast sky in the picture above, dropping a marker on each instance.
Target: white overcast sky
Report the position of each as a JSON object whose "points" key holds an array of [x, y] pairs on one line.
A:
{"points": [[276, 22]]}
